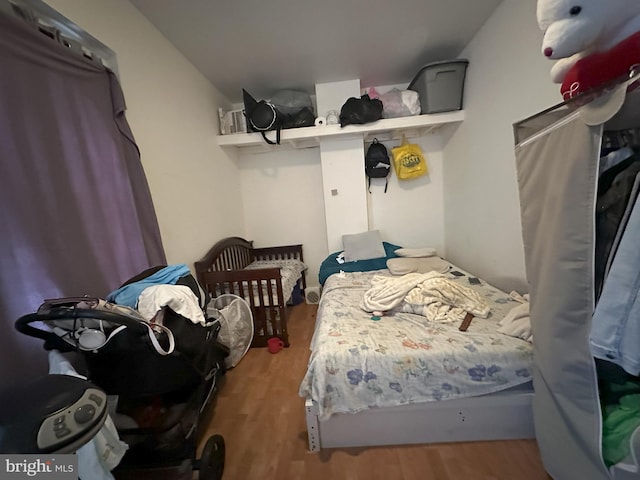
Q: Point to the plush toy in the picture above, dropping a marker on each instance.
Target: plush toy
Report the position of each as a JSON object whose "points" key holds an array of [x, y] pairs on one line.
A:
{"points": [[593, 41]]}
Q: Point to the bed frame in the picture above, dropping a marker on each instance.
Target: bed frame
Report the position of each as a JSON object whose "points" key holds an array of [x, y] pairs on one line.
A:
{"points": [[504, 415], [222, 270]]}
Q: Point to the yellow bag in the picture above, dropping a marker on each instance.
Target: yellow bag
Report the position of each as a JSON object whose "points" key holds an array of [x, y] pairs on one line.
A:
{"points": [[408, 160]]}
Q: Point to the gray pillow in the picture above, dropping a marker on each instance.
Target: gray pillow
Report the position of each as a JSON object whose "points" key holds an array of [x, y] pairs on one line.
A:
{"points": [[363, 246]]}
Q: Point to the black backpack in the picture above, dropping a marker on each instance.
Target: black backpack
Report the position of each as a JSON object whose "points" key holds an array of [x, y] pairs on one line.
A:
{"points": [[377, 163]]}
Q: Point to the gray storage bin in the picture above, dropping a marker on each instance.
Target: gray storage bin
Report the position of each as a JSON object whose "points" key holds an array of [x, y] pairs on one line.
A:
{"points": [[440, 85]]}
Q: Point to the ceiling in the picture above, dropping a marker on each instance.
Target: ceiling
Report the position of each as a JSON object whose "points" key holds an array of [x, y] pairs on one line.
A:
{"points": [[266, 46]]}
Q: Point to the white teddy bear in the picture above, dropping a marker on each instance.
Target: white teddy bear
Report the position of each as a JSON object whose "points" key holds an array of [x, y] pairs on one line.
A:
{"points": [[575, 29]]}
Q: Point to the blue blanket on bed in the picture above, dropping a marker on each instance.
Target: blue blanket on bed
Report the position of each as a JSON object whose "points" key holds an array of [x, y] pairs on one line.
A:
{"points": [[330, 265]]}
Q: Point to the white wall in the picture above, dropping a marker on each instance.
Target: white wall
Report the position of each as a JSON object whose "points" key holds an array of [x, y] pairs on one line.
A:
{"points": [[283, 203], [507, 80], [344, 188], [411, 213], [172, 111], [201, 197]]}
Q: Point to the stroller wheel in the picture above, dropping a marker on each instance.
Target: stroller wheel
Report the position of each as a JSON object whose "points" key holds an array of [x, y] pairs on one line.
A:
{"points": [[212, 459]]}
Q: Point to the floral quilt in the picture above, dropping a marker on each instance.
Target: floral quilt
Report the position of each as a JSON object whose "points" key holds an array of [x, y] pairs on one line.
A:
{"points": [[359, 362]]}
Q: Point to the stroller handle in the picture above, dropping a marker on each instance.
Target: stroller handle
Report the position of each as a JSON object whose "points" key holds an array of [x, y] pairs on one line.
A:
{"points": [[23, 323]]}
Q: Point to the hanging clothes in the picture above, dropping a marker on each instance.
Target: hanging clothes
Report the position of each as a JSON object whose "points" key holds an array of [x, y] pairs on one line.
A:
{"points": [[615, 327], [620, 417], [615, 332], [616, 189]]}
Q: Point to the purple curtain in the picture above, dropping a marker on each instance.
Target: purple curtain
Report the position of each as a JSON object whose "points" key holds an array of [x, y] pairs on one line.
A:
{"points": [[75, 207]]}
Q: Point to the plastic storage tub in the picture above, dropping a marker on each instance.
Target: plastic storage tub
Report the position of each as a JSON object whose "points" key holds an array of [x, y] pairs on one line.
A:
{"points": [[440, 85]]}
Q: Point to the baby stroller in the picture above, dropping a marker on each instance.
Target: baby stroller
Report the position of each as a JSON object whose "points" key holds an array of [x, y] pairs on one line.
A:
{"points": [[158, 377]]}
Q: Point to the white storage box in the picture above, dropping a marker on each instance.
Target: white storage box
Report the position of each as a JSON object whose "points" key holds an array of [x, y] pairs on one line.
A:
{"points": [[231, 122]]}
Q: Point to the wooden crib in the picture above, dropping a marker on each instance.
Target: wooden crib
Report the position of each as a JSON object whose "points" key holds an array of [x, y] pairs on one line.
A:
{"points": [[224, 270]]}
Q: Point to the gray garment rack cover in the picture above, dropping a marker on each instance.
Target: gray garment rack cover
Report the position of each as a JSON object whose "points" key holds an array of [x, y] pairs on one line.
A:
{"points": [[557, 166]]}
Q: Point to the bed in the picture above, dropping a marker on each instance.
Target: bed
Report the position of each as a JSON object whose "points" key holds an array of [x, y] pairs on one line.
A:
{"points": [[403, 379], [268, 278]]}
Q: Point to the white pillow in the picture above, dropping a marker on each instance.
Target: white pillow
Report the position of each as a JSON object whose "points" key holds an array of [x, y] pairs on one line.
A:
{"points": [[416, 252], [363, 246], [402, 266]]}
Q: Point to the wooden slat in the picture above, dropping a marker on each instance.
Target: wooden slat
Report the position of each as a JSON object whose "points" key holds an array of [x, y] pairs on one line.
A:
{"points": [[255, 286]]}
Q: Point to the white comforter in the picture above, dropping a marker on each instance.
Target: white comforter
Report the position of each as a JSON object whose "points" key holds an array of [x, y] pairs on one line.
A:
{"points": [[428, 294]]}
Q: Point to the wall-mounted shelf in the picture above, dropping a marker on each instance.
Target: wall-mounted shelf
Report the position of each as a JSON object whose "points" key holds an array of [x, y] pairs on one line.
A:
{"points": [[306, 137]]}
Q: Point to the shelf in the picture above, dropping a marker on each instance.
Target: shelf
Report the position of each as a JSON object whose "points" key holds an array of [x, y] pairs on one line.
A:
{"points": [[307, 137]]}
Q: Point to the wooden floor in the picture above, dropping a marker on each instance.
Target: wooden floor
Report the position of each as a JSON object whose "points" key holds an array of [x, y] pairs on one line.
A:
{"points": [[259, 413]]}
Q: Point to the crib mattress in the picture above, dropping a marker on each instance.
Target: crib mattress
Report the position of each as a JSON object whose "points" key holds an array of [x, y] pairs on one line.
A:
{"points": [[290, 272], [358, 363]]}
